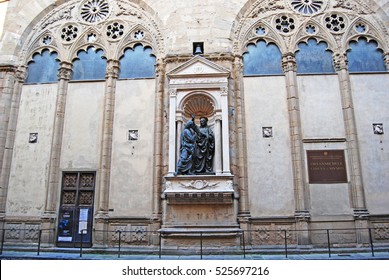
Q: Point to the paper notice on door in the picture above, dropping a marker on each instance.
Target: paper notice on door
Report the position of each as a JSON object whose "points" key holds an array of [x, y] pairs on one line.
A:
{"points": [[83, 221]]}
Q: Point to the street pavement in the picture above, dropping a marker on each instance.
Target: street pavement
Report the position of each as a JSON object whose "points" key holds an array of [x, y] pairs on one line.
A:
{"points": [[90, 254]]}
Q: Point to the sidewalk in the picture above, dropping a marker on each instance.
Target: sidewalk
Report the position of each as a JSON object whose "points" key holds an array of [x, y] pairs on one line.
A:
{"points": [[93, 254]]}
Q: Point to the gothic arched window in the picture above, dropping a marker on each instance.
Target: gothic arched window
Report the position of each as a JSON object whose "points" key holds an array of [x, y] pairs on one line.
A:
{"points": [[364, 56], [314, 58], [262, 59], [137, 63], [43, 68], [89, 65]]}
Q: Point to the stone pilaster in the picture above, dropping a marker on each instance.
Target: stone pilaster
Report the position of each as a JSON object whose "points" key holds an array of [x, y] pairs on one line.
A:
{"points": [[172, 130], [299, 181], [237, 75], [354, 162], [101, 221], [106, 148], [13, 104], [7, 82], [50, 214]]}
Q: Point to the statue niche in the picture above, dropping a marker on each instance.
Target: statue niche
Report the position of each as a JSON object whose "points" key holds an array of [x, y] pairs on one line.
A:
{"points": [[197, 148]]}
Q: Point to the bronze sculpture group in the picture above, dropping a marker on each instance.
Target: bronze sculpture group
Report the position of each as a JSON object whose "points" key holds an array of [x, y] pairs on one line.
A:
{"points": [[197, 149]]}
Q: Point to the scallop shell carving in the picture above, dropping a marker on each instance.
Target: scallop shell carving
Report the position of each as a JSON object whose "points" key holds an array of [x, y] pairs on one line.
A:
{"points": [[200, 106]]}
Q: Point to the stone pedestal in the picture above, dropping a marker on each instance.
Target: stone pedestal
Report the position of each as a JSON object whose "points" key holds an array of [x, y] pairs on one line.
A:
{"points": [[200, 209]]}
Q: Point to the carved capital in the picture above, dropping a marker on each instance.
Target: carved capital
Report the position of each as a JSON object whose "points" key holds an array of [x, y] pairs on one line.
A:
{"points": [[173, 92], [224, 91], [21, 74], [238, 63], [65, 71], [289, 62], [386, 59], [112, 69], [340, 61]]}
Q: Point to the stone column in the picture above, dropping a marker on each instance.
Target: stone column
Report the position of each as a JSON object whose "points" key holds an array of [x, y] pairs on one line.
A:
{"points": [[299, 181], [101, 225], [7, 81], [11, 96], [354, 163], [218, 146], [50, 213], [158, 144], [179, 124], [225, 132], [244, 208], [172, 131]]}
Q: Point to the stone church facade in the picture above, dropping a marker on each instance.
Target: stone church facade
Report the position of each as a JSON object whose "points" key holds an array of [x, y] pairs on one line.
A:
{"points": [[96, 93]]}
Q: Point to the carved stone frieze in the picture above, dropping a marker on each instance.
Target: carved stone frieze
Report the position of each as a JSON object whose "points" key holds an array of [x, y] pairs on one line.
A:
{"points": [[353, 6], [191, 183], [381, 231], [197, 81], [31, 232], [63, 14], [266, 6], [127, 9], [13, 231], [198, 185], [129, 233], [272, 234]]}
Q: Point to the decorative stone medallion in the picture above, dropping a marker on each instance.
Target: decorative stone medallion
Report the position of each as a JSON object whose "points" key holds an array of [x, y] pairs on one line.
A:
{"points": [[308, 7], [93, 11]]}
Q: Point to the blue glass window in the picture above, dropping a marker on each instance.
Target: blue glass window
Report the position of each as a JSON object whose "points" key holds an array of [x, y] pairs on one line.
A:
{"points": [[43, 68], [137, 63], [90, 65], [314, 58], [262, 59], [365, 56]]}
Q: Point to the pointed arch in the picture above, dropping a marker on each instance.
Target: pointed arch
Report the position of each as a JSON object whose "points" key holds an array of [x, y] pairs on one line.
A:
{"points": [[262, 58], [43, 68], [89, 65], [137, 62], [365, 56], [314, 57]]}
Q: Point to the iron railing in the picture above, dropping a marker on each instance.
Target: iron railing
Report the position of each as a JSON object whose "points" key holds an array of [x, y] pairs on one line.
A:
{"points": [[244, 247]]}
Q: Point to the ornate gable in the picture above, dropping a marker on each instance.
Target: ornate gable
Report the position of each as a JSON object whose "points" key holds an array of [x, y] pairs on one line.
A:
{"points": [[198, 66]]}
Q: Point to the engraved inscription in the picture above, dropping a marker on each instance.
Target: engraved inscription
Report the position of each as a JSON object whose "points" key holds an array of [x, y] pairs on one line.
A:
{"points": [[326, 167]]}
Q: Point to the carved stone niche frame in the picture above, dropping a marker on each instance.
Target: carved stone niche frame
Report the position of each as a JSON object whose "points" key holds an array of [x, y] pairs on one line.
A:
{"points": [[199, 87]]}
